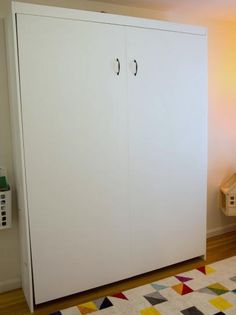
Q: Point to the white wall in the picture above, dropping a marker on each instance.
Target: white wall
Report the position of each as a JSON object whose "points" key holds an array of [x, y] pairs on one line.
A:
{"points": [[222, 114], [9, 249]]}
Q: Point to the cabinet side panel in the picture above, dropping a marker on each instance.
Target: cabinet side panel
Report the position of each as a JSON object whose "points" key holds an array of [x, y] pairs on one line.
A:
{"points": [[18, 152]]}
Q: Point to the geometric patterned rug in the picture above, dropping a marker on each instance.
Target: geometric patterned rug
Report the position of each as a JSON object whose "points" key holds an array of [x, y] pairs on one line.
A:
{"points": [[209, 290]]}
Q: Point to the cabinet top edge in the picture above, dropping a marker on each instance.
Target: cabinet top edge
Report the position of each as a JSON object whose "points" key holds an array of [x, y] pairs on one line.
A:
{"points": [[75, 14]]}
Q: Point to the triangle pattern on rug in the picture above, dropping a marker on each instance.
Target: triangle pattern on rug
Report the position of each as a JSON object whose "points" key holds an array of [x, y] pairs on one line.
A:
{"points": [[207, 291], [119, 295], [183, 279], [87, 308], [150, 311], [170, 295], [99, 302], [220, 303], [182, 289], [206, 270], [155, 298], [215, 289], [192, 311], [218, 288], [103, 303], [158, 287]]}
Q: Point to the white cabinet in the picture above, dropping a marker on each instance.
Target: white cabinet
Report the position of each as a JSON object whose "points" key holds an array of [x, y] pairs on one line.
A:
{"points": [[113, 138]]}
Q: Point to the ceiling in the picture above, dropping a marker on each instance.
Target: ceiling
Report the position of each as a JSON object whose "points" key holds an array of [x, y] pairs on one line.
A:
{"points": [[220, 9]]}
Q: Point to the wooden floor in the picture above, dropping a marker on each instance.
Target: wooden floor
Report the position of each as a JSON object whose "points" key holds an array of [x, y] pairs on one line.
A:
{"points": [[219, 247]]}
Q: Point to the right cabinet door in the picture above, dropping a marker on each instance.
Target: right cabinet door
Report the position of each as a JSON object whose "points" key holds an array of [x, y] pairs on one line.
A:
{"points": [[167, 128]]}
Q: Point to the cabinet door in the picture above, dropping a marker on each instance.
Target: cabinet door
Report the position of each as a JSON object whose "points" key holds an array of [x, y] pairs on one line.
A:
{"points": [[167, 114], [75, 141]]}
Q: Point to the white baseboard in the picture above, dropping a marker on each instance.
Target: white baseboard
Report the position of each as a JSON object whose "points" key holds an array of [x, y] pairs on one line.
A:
{"points": [[9, 285], [221, 230]]}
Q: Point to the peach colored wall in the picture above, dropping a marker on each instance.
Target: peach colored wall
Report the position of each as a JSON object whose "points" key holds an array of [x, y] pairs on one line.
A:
{"points": [[222, 114]]}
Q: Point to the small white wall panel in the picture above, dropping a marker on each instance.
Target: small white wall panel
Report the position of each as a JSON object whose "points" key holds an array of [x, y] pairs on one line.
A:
{"points": [[75, 139]]}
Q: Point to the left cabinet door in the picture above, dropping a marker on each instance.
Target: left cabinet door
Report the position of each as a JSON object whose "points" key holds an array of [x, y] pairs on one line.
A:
{"points": [[75, 144]]}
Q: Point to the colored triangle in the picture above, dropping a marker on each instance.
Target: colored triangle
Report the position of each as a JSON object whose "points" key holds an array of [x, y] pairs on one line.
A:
{"points": [[186, 289], [154, 301], [150, 311], [99, 302], [220, 303], [158, 287], [182, 289], [119, 295], [156, 295], [217, 286], [183, 279], [178, 288], [85, 310], [192, 310], [206, 269], [218, 291], [90, 305], [202, 269], [207, 291], [209, 269], [105, 304]]}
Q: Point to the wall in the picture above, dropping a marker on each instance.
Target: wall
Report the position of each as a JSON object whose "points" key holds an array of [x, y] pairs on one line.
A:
{"points": [[222, 113], [9, 249]]}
